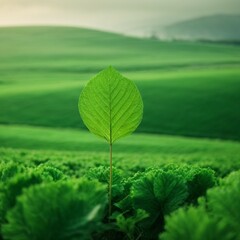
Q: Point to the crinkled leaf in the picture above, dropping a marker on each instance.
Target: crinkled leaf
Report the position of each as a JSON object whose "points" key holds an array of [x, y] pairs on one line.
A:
{"points": [[128, 225], [102, 175], [224, 202], [158, 193], [58, 210], [193, 224], [170, 191], [198, 179]]}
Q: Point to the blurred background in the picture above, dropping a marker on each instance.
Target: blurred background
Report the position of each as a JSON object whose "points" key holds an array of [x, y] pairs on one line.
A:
{"points": [[190, 19], [184, 57]]}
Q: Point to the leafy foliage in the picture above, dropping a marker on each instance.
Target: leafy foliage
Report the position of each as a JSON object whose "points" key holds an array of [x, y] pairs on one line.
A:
{"points": [[51, 173], [125, 204], [13, 188], [102, 175], [193, 224], [158, 193], [128, 225], [224, 202], [17, 182], [58, 210], [218, 215], [198, 179], [8, 170], [111, 105], [143, 203]]}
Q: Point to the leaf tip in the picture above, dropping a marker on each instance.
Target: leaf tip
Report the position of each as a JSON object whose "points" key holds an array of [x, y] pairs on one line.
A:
{"points": [[111, 69]]}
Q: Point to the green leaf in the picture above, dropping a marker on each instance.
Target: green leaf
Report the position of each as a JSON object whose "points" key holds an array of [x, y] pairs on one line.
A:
{"points": [[193, 224], [224, 202], [66, 210], [102, 175], [128, 225], [110, 105], [158, 193]]}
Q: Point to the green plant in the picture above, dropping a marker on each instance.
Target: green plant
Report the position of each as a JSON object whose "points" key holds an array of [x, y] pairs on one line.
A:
{"points": [[50, 173], [8, 170], [193, 224], [128, 225], [111, 107], [218, 214], [224, 202], [102, 175], [10, 190], [158, 193], [198, 179], [66, 210], [16, 183]]}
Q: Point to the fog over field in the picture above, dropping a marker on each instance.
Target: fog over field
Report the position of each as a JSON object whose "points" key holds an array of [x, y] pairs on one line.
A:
{"points": [[118, 16]]}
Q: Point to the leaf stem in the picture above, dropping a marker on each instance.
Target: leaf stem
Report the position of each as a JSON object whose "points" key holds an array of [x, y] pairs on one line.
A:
{"points": [[110, 183]]}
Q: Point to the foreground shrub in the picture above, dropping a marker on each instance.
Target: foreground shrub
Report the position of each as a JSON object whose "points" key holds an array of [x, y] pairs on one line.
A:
{"points": [[217, 217], [129, 225], [224, 203], [198, 179], [193, 224], [158, 193], [16, 182], [102, 175], [50, 173], [8, 170], [10, 190], [58, 210]]}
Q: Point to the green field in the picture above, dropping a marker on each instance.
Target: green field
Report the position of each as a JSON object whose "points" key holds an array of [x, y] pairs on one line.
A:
{"points": [[189, 89], [185, 147]]}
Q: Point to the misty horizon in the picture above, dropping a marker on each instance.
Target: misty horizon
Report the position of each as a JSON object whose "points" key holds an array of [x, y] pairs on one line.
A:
{"points": [[122, 17]]}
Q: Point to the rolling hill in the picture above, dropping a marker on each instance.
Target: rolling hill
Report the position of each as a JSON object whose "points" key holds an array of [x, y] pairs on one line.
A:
{"points": [[189, 89], [214, 28]]}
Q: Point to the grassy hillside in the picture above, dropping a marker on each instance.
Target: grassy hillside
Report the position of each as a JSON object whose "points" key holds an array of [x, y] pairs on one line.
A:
{"points": [[215, 27], [188, 88]]}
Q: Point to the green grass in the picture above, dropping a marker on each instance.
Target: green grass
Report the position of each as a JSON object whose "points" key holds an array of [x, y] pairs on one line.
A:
{"points": [[140, 150], [175, 104], [189, 89]]}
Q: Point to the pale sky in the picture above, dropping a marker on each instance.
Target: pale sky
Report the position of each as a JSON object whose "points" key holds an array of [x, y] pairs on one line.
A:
{"points": [[111, 15]]}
